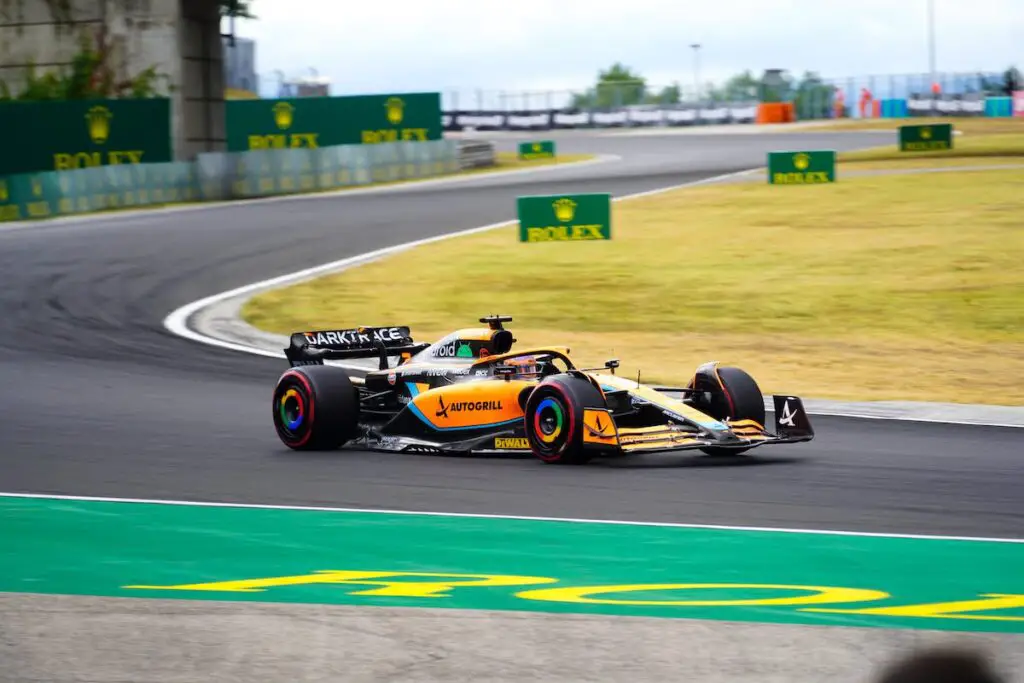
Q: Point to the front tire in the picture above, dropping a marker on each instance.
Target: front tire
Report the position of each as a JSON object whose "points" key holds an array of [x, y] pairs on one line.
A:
{"points": [[735, 396], [554, 419], [316, 408]]}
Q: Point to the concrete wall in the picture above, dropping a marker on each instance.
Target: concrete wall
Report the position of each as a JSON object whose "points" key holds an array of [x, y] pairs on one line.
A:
{"points": [[201, 98], [180, 38]]}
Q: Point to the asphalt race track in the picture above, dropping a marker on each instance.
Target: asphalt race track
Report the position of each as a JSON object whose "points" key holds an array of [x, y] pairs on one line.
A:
{"points": [[102, 401]]}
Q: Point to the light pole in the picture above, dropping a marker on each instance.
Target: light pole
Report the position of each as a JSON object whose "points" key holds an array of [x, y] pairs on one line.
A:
{"points": [[696, 71], [282, 87], [931, 42]]}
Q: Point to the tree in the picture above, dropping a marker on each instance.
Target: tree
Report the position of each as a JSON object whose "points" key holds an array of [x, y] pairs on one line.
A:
{"points": [[813, 99], [617, 86], [90, 75], [776, 85], [741, 87], [1012, 81], [671, 94], [239, 9]]}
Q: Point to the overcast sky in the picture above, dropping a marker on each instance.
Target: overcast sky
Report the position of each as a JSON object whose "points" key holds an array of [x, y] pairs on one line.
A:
{"points": [[411, 45]]}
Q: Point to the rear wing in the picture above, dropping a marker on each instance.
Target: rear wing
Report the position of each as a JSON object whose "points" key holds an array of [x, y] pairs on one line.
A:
{"points": [[313, 348]]}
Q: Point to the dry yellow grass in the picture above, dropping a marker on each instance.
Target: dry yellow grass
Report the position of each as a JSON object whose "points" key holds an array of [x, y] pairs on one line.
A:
{"points": [[925, 163], [968, 125], [900, 287], [964, 147], [989, 147], [511, 160]]}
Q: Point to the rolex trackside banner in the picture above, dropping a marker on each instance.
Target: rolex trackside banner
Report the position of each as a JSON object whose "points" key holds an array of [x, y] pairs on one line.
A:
{"points": [[554, 119]]}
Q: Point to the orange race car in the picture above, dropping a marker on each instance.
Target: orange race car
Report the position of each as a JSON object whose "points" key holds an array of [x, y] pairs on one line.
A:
{"points": [[471, 393]]}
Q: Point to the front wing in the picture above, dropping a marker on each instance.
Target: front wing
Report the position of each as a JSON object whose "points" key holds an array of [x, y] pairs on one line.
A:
{"points": [[791, 426]]}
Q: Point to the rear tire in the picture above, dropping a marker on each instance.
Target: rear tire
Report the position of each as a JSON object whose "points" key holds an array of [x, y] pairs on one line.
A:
{"points": [[316, 408], [735, 395], [554, 419]]}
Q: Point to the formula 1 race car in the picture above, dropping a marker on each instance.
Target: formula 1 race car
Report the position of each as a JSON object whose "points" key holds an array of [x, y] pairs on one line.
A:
{"points": [[470, 393]]}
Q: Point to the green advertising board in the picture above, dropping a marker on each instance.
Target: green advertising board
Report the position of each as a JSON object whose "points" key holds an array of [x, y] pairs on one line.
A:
{"points": [[541, 149], [802, 168], [68, 135], [922, 138], [565, 218], [311, 122]]}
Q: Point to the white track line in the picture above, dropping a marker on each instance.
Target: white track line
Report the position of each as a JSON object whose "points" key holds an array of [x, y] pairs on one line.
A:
{"points": [[413, 513]]}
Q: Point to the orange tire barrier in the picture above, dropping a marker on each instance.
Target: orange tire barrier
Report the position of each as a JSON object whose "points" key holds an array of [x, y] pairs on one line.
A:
{"points": [[776, 112]]}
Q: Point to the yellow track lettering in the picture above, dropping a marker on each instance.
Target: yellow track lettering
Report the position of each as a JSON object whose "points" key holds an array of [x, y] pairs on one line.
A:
{"points": [[944, 610], [391, 584], [819, 594]]}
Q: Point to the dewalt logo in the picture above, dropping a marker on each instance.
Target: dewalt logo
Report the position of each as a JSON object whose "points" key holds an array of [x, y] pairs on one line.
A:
{"points": [[517, 443]]}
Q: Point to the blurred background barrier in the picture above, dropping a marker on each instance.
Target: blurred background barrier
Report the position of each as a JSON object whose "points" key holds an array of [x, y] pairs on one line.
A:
{"points": [[818, 106], [812, 94], [230, 175], [476, 154], [999, 107], [622, 98], [807, 109], [628, 116]]}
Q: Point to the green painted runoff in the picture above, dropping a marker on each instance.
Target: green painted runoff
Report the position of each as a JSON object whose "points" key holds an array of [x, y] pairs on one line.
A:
{"points": [[145, 550]]}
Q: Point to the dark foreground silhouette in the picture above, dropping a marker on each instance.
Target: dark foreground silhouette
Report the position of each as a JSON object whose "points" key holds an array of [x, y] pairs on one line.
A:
{"points": [[942, 666]]}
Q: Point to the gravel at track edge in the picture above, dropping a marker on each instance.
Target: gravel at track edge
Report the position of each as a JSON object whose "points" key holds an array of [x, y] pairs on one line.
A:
{"points": [[64, 639]]}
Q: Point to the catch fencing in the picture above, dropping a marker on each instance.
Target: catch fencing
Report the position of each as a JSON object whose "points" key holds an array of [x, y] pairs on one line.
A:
{"points": [[813, 98], [616, 95]]}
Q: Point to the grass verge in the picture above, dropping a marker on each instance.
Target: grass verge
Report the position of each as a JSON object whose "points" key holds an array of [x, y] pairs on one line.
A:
{"points": [[985, 142], [980, 125], [981, 149], [509, 161], [876, 288]]}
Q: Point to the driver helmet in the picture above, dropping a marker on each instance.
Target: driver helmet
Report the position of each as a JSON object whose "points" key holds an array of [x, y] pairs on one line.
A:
{"points": [[526, 366]]}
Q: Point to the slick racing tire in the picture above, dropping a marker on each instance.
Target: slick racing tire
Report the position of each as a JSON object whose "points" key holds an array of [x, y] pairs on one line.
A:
{"points": [[316, 408], [734, 396], [554, 419]]}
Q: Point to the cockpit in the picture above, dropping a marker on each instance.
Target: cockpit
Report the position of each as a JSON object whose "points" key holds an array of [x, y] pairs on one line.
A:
{"points": [[476, 346], [471, 344], [533, 366]]}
